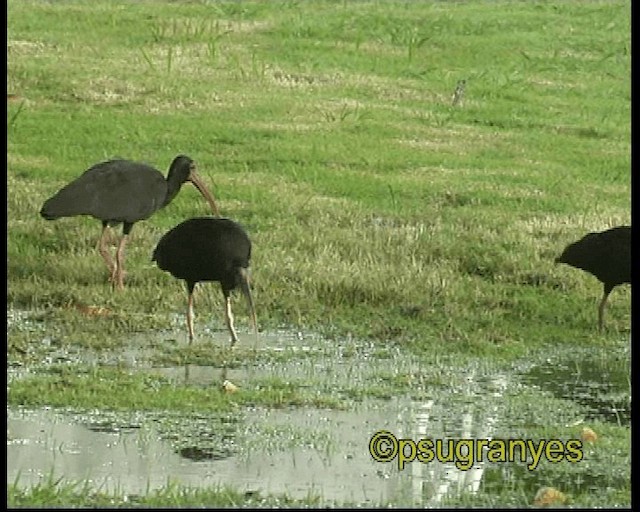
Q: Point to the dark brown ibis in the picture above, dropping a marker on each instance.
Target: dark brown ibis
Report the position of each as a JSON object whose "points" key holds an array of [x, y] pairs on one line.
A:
{"points": [[606, 255], [122, 191], [209, 249]]}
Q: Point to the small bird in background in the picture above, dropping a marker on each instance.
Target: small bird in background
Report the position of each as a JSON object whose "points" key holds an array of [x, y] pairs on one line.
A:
{"points": [[458, 94], [209, 249], [122, 192], [606, 255]]}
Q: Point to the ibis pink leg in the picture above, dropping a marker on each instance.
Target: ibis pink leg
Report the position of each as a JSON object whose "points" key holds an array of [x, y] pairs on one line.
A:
{"points": [[119, 281], [190, 317], [228, 315], [104, 252], [603, 303]]}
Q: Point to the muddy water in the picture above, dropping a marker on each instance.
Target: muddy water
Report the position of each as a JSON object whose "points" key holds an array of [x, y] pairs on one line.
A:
{"points": [[300, 452], [590, 381], [304, 452]]}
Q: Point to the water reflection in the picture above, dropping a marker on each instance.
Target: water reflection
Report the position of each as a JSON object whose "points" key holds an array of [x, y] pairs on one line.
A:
{"points": [[307, 451], [432, 483], [298, 451]]}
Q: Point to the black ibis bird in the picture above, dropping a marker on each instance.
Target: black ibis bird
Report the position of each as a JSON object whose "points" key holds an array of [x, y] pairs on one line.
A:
{"points": [[208, 249], [122, 191], [606, 255]]}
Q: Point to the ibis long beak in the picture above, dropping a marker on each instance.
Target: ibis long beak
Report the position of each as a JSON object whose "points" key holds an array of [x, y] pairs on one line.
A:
{"points": [[246, 291], [202, 188]]}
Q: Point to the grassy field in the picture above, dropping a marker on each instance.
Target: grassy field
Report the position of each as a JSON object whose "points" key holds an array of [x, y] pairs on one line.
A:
{"points": [[378, 209]]}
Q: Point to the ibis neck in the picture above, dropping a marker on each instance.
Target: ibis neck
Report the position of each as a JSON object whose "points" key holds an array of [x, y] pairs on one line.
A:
{"points": [[172, 191]]}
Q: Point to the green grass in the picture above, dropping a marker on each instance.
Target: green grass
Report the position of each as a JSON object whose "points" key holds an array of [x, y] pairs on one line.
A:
{"points": [[377, 210], [53, 493], [114, 389]]}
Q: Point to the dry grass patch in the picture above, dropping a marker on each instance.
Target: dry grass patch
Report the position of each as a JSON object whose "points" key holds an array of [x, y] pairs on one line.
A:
{"points": [[462, 139], [19, 47], [285, 127], [563, 225], [15, 159]]}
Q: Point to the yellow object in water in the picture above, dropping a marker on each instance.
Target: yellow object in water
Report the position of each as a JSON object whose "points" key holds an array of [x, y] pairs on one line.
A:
{"points": [[588, 435], [549, 496], [229, 386]]}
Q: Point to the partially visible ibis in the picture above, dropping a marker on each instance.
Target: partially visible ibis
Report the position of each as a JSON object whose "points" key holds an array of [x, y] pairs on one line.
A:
{"points": [[209, 249], [606, 255], [122, 191]]}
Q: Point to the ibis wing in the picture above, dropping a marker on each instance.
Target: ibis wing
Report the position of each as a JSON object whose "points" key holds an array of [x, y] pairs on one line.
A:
{"points": [[606, 255], [118, 190], [204, 249]]}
